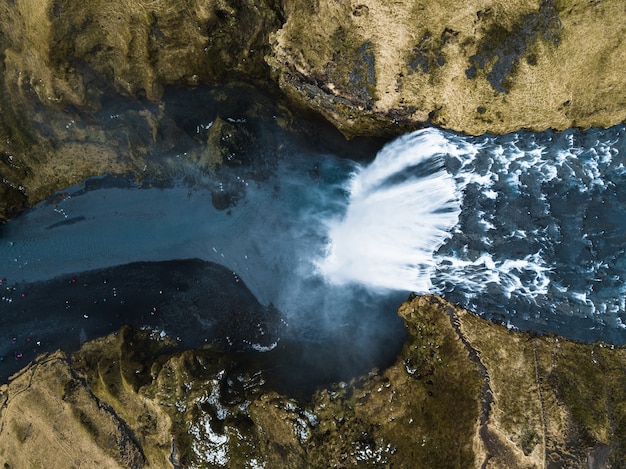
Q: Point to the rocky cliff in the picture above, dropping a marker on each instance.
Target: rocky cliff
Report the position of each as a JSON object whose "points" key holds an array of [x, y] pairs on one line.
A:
{"points": [[474, 67], [81, 83], [487, 66], [369, 67], [463, 393], [82, 93]]}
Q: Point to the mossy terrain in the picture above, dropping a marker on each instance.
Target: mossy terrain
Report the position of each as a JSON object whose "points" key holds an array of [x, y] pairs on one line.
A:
{"points": [[70, 53], [81, 84], [83, 92], [463, 393], [486, 66]]}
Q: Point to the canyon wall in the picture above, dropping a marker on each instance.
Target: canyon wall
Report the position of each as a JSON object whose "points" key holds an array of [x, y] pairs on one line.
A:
{"points": [[462, 393], [474, 67], [81, 83]]}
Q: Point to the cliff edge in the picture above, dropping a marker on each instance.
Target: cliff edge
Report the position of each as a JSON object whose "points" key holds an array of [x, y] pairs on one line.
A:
{"points": [[481, 67], [82, 84], [463, 393]]}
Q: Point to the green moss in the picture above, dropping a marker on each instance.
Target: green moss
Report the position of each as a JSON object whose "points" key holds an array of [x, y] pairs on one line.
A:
{"points": [[353, 71], [16, 133], [528, 439], [12, 200], [20, 431], [575, 379], [88, 424], [426, 410], [451, 386]]}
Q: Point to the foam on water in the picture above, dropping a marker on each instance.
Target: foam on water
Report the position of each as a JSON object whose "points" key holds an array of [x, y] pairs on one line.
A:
{"points": [[526, 228], [269, 240], [542, 232]]}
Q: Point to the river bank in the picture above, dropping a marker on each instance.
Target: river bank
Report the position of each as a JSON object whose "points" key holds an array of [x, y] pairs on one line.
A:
{"points": [[83, 88], [463, 392], [136, 91]]}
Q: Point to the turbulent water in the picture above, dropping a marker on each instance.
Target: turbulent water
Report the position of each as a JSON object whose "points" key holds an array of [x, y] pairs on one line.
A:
{"points": [[541, 239], [400, 209], [528, 229]]}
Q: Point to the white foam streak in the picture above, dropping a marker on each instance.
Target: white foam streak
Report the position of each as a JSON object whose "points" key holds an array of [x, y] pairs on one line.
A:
{"points": [[476, 275], [402, 227]]}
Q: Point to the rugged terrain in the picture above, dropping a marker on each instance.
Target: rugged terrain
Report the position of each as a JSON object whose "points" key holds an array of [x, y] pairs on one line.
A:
{"points": [[84, 91], [476, 67], [82, 84], [463, 392]]}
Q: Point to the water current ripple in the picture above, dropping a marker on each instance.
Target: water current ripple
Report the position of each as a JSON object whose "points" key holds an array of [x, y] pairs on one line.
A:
{"points": [[541, 238], [534, 234]]}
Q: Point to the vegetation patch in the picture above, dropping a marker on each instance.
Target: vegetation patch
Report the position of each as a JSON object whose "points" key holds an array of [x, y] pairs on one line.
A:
{"points": [[502, 47], [428, 56]]}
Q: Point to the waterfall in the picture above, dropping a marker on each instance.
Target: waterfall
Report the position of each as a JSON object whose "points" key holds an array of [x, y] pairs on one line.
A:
{"points": [[528, 229], [401, 209]]}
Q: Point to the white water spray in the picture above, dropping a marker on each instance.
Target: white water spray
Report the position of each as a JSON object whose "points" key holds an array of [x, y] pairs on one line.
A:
{"points": [[401, 210]]}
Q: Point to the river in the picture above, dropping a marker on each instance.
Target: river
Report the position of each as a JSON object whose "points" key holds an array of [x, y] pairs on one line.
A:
{"points": [[527, 229]]}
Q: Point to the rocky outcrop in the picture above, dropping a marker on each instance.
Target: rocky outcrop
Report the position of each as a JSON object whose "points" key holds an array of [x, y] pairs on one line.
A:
{"points": [[368, 66], [81, 83], [71, 53], [463, 392], [486, 66]]}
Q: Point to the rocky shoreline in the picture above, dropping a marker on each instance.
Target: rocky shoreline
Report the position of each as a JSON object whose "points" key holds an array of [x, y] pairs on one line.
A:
{"points": [[463, 392], [369, 68]]}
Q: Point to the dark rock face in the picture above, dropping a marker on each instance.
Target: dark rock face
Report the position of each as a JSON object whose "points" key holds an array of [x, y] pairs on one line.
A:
{"points": [[66, 65], [231, 142], [12, 201], [83, 91], [502, 49]]}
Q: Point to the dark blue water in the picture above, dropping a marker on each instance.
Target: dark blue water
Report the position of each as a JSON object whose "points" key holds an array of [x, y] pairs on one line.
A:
{"points": [[261, 221], [541, 238], [528, 229]]}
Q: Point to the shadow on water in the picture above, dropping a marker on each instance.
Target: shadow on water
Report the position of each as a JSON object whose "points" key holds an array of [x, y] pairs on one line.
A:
{"points": [[198, 303], [106, 253], [268, 119], [524, 228]]}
